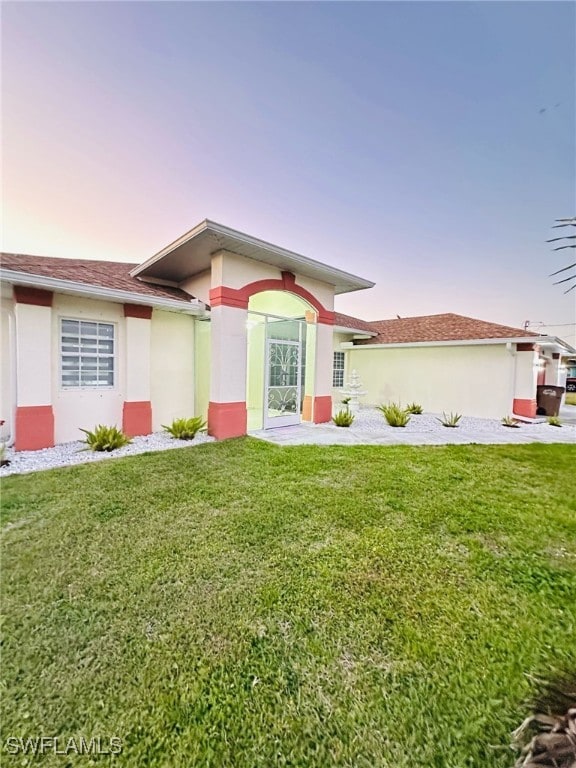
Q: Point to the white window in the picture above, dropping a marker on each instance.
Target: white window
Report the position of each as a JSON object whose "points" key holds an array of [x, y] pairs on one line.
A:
{"points": [[86, 354], [338, 370]]}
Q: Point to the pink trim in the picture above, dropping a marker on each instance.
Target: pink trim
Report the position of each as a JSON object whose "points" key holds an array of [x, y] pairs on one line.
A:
{"points": [[238, 297], [137, 417], [322, 409], [523, 407], [138, 310], [35, 296], [227, 420], [34, 427]]}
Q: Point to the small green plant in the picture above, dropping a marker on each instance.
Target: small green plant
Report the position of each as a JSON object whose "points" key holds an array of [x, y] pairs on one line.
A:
{"points": [[395, 415], [554, 421], [509, 421], [414, 408], [105, 438], [185, 429], [345, 401], [343, 418], [450, 420]]}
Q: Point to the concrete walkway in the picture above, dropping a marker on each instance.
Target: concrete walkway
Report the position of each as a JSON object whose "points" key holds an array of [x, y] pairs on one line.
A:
{"points": [[370, 428], [568, 414]]}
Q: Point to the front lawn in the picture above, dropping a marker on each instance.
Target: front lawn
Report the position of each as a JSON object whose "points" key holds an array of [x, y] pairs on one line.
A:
{"points": [[239, 604]]}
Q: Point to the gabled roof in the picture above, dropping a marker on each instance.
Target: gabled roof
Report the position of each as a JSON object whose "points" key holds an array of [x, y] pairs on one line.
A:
{"points": [[111, 275], [446, 327], [191, 254]]}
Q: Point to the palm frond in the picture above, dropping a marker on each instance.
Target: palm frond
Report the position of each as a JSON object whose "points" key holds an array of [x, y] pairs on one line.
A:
{"points": [[570, 266], [566, 279]]}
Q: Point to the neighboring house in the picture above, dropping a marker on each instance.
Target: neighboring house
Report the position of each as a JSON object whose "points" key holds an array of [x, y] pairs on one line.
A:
{"points": [[242, 332]]}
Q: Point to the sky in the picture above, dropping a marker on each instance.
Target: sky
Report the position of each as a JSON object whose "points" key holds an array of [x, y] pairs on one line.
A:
{"points": [[427, 146]]}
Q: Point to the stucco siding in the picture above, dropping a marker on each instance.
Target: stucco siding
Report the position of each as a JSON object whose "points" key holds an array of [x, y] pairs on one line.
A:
{"points": [[337, 395], [7, 393], [198, 286], [171, 367], [236, 271], [473, 380], [87, 406], [202, 347]]}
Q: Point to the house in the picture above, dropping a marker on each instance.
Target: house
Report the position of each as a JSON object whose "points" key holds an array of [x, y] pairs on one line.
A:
{"points": [[243, 332]]}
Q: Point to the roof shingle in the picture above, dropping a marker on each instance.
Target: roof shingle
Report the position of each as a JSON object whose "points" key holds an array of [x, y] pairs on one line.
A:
{"points": [[445, 327], [354, 323], [102, 274]]}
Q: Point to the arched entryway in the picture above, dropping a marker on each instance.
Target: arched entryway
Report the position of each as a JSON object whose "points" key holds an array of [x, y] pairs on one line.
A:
{"points": [[281, 341]]}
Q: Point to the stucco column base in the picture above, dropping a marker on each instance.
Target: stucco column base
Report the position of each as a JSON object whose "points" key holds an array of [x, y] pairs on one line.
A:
{"points": [[322, 409], [525, 408], [34, 427], [227, 420], [137, 418]]}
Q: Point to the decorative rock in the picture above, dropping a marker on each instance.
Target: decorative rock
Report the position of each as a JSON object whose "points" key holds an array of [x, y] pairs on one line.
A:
{"points": [[70, 454]]}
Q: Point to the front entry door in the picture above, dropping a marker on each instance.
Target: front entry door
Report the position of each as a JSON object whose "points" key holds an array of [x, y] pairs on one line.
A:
{"points": [[282, 396]]}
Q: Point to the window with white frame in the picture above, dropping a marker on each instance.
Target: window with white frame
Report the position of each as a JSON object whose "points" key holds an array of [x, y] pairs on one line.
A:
{"points": [[86, 353], [338, 370]]}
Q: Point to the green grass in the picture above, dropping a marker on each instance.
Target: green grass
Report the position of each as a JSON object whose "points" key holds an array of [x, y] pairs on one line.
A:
{"points": [[570, 398], [240, 604]]}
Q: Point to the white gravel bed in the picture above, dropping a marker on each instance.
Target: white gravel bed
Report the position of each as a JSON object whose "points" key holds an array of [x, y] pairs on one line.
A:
{"points": [[70, 454], [371, 428]]}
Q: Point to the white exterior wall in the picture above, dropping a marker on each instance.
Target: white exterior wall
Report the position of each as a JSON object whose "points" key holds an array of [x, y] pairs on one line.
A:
{"points": [[475, 380], [228, 355], [33, 354], [138, 350], [336, 393], [235, 271], [526, 375], [198, 286], [171, 367], [7, 371], [324, 360], [85, 406]]}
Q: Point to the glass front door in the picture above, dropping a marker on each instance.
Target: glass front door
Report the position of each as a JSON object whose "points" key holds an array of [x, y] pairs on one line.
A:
{"points": [[282, 399]]}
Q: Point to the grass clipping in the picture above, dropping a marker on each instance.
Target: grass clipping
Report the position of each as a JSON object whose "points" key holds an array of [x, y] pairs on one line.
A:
{"points": [[554, 721]]}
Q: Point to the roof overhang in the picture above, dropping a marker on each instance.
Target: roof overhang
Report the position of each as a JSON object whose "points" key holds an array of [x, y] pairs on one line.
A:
{"points": [[552, 343], [357, 333], [85, 290], [192, 253]]}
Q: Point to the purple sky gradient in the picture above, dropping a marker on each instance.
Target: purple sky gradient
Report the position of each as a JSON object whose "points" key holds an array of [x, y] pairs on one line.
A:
{"points": [[402, 141]]}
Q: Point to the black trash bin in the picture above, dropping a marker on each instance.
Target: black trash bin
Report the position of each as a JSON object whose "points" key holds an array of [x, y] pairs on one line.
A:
{"points": [[548, 399]]}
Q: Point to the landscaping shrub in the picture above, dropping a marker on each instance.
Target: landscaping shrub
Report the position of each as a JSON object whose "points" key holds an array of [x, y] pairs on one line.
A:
{"points": [[343, 418], [450, 420], [185, 429], [395, 415], [554, 421], [509, 421], [105, 438], [414, 408]]}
